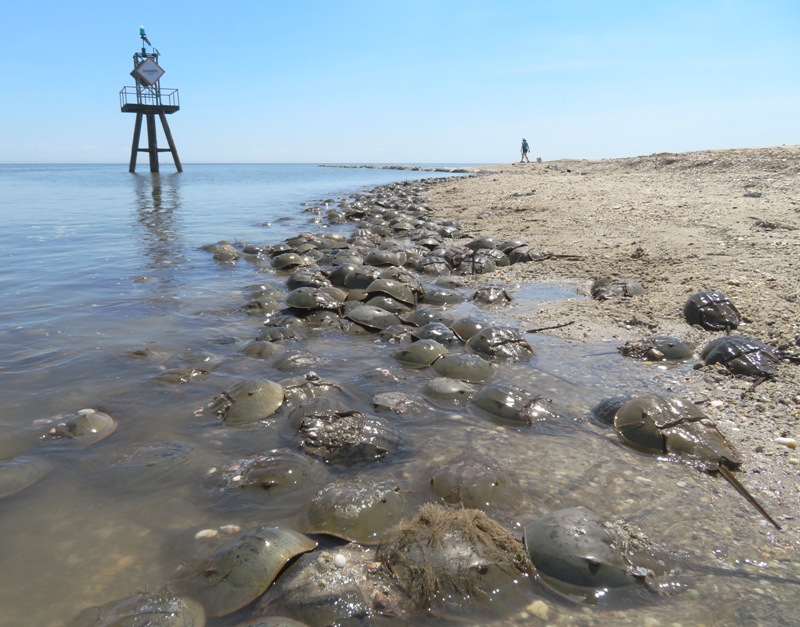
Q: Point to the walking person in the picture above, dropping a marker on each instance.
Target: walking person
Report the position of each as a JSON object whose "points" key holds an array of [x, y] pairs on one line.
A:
{"points": [[525, 150]]}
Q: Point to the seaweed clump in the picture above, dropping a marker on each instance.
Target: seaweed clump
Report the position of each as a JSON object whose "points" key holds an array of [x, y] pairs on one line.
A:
{"points": [[457, 562]]}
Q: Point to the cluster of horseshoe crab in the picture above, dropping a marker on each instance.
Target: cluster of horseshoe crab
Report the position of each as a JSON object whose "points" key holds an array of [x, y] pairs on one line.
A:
{"points": [[363, 552]]}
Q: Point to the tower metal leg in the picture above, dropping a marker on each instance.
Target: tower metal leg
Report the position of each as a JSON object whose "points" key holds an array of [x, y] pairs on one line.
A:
{"points": [[137, 131], [171, 143], [152, 142]]}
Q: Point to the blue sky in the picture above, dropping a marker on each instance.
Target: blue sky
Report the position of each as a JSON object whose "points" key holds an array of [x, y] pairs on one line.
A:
{"points": [[391, 81]]}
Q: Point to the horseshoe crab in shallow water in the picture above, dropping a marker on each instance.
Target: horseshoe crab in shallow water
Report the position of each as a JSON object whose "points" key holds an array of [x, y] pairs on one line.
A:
{"points": [[450, 390], [313, 298], [469, 368], [147, 609], [580, 554], [472, 480], [465, 328], [342, 586], [676, 427], [371, 318], [513, 404], [248, 401], [605, 288], [492, 295], [712, 311], [425, 315], [310, 385], [501, 344], [87, 426], [356, 509], [658, 348], [17, 473], [420, 354], [401, 292], [338, 436], [742, 356], [435, 331], [279, 471], [240, 571], [457, 563]]}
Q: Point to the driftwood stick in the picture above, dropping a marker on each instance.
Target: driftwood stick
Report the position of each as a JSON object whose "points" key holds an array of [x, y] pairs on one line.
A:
{"points": [[555, 326]]}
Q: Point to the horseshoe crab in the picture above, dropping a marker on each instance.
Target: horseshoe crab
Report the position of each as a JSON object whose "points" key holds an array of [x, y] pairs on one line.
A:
{"points": [[486, 241], [18, 473], [279, 471], [248, 401], [513, 404], [677, 428], [476, 263], [310, 385], [341, 586], [425, 315], [711, 310], [501, 344], [436, 331], [420, 354], [261, 307], [742, 356], [87, 426], [356, 509], [383, 258], [261, 349], [241, 571], [476, 482], [525, 254], [398, 403], [288, 261], [371, 318], [441, 296], [222, 251], [312, 298], [150, 609], [606, 288], [450, 390], [579, 553], [658, 348], [465, 328], [339, 436], [457, 563], [433, 265], [401, 292], [469, 368], [307, 277], [491, 295]]}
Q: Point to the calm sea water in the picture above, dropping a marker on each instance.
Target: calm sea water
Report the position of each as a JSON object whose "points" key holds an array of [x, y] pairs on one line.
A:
{"points": [[105, 288]]}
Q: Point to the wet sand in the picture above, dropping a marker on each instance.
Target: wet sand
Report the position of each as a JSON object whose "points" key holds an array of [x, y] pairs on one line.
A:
{"points": [[722, 220]]}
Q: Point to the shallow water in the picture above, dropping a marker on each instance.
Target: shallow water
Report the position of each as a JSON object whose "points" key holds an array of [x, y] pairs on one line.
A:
{"points": [[106, 289]]}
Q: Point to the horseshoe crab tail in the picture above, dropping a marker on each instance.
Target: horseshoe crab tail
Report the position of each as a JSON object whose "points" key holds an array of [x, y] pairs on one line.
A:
{"points": [[726, 472]]}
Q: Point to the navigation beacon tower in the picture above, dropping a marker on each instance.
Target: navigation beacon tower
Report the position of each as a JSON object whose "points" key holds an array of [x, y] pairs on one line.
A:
{"points": [[149, 99]]}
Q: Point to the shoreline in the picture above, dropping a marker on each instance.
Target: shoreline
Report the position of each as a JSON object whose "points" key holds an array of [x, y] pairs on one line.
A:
{"points": [[679, 223]]}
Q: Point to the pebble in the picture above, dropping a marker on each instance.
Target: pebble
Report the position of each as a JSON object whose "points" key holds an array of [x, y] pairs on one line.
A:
{"points": [[230, 528], [788, 442], [205, 533], [340, 561], [539, 609]]}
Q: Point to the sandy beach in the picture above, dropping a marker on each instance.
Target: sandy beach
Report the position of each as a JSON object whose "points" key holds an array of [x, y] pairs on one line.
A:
{"points": [[722, 220]]}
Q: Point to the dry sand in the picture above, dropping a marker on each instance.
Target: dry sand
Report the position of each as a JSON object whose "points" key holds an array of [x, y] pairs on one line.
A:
{"points": [[723, 220]]}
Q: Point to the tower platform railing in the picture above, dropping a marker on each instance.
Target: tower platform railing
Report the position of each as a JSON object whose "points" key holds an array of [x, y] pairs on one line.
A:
{"points": [[144, 100]]}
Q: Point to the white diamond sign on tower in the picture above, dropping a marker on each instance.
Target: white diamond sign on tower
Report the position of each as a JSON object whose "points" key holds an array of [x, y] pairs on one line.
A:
{"points": [[148, 72]]}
